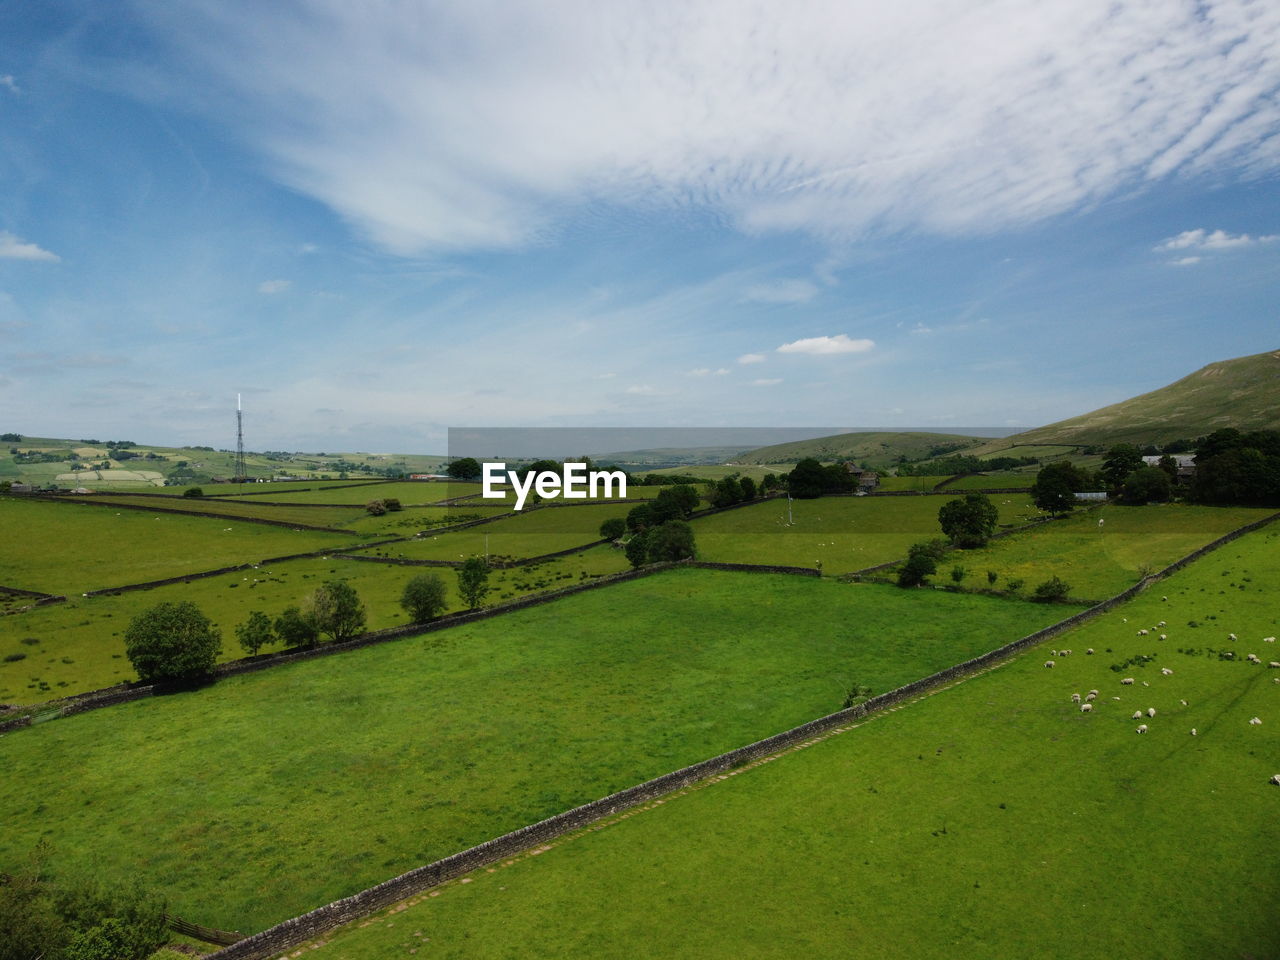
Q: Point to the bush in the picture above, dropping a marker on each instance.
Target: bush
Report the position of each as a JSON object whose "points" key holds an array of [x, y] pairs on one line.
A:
{"points": [[1052, 590], [922, 562], [969, 520], [638, 549], [669, 542], [473, 581], [193, 492], [295, 630], [1013, 585], [613, 528], [424, 597], [255, 633], [376, 508], [992, 577], [957, 574], [335, 609], [172, 641], [392, 504]]}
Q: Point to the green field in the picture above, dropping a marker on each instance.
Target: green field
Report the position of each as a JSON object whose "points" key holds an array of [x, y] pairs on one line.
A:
{"points": [[845, 533], [992, 819], [994, 481], [919, 484], [271, 793], [303, 516], [69, 548], [408, 492], [1096, 561]]}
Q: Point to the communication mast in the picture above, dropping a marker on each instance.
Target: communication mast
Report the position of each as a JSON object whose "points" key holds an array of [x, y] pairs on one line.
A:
{"points": [[242, 475]]}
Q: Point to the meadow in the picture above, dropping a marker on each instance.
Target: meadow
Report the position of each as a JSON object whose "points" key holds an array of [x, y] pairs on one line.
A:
{"points": [[995, 480], [844, 533], [992, 818], [264, 795]]}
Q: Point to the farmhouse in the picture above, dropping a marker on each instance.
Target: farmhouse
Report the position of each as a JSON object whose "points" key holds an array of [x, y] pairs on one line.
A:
{"points": [[868, 480], [1186, 465]]}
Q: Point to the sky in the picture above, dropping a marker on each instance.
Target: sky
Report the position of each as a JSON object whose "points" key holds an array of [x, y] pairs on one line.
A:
{"points": [[379, 220]]}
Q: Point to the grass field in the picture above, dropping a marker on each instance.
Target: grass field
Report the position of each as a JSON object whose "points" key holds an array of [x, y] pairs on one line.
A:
{"points": [[1098, 562], [79, 644], [845, 533], [995, 481], [271, 793], [921, 484], [304, 516], [992, 819], [70, 548], [409, 492]]}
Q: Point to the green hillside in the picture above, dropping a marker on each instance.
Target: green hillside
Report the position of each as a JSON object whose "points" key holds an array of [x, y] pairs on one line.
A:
{"points": [[877, 449], [1242, 393]]}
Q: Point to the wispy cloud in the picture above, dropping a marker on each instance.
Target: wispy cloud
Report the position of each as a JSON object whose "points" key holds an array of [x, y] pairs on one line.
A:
{"points": [[781, 291], [823, 346], [274, 286], [1184, 261], [766, 382], [429, 129], [708, 372], [1216, 240], [10, 84], [751, 358], [13, 248]]}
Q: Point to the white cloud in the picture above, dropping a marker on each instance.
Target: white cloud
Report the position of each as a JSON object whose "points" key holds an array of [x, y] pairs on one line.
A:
{"points": [[821, 346], [604, 376], [781, 291], [1217, 240], [1184, 261], [274, 286], [488, 124], [766, 382], [708, 372], [13, 248], [641, 389], [751, 358], [10, 84]]}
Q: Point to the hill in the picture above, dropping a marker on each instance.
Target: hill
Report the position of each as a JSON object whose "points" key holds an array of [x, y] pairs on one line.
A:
{"points": [[1243, 393], [877, 449]]}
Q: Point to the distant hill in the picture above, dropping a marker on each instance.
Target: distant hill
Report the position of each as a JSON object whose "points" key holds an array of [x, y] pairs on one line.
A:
{"points": [[878, 449], [1243, 393]]}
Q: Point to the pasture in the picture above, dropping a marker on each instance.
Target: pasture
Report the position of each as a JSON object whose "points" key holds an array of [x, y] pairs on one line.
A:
{"points": [[267, 794], [991, 819], [844, 533], [994, 481]]}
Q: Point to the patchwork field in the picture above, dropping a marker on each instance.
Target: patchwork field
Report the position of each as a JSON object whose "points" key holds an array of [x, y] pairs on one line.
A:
{"points": [[844, 533], [431, 744], [991, 819]]}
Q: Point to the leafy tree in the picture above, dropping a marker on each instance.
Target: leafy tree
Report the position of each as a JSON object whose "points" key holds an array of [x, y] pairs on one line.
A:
{"points": [[613, 528], [970, 520], [1235, 467], [172, 641], [255, 633], [770, 482], [467, 468], [294, 629], [193, 492], [392, 504], [473, 581], [334, 609], [748, 485], [11, 437], [1170, 466], [424, 597], [640, 517], [1052, 590], [670, 541], [675, 503], [922, 562], [957, 574], [1147, 484], [637, 548], [992, 577], [726, 492], [1056, 485], [807, 479], [1121, 460], [30, 924]]}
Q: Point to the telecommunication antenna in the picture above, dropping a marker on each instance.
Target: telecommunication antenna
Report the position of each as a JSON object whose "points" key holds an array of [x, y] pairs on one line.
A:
{"points": [[242, 474]]}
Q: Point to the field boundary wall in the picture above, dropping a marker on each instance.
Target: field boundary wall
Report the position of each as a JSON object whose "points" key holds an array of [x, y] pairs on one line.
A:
{"points": [[84, 499]]}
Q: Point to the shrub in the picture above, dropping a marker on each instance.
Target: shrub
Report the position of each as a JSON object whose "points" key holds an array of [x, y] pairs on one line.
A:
{"points": [[613, 528], [969, 520], [638, 549], [376, 508], [255, 633], [172, 641], [957, 574], [671, 541], [392, 504], [294, 630], [14, 657], [1052, 590], [1013, 585], [335, 609], [424, 597], [992, 577], [193, 492]]}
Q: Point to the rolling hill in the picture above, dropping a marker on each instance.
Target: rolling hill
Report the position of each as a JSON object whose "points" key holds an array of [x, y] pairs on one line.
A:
{"points": [[1242, 393], [877, 449]]}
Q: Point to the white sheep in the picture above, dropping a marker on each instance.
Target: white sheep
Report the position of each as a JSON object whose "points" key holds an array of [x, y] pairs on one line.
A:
{"points": [[1164, 636], [1075, 698], [1274, 664], [1089, 652], [1142, 728], [1193, 731], [1160, 624], [1143, 633], [1183, 702], [1256, 721], [1252, 658], [1127, 681], [1275, 779], [1145, 684], [1268, 639], [1151, 711], [1166, 671], [1093, 692], [1137, 715], [1086, 707], [1090, 697], [1231, 636], [1164, 598], [1048, 663]]}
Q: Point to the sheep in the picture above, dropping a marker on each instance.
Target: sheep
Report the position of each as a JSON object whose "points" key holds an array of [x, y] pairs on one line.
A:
{"points": [[1089, 652], [1075, 698], [1053, 653], [1268, 639], [1164, 598], [1090, 697], [1166, 671], [1142, 728], [1137, 715], [1145, 684], [1275, 779], [1127, 681], [1064, 653], [1183, 702], [1093, 692], [1274, 664], [1161, 624], [1151, 711], [1143, 633], [1048, 663], [1252, 658], [1164, 636], [1086, 707], [1193, 731], [1231, 636], [1255, 721]]}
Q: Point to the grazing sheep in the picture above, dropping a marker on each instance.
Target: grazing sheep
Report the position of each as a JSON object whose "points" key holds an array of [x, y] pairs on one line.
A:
{"points": [[1161, 624], [1274, 664], [1268, 639], [1142, 728], [1090, 697], [1252, 658], [1048, 663], [1183, 702], [1093, 692], [1137, 715], [1151, 711], [1086, 707], [1256, 721], [1053, 653], [1193, 731], [1275, 779], [1166, 671], [1089, 652], [1075, 698], [1127, 681], [1231, 636], [1143, 633], [1164, 636], [1164, 598]]}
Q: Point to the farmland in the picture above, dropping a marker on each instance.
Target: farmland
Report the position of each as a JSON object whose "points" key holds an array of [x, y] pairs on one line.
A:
{"points": [[992, 818], [433, 743]]}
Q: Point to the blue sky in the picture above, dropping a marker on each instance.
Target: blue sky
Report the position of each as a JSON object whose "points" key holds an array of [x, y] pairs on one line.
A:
{"points": [[378, 220]]}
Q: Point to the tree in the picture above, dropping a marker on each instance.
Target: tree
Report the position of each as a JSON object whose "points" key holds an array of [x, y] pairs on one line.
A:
{"points": [[424, 597], [468, 468], [969, 521], [295, 630], [637, 548], [1147, 484], [1052, 590], [255, 633], [172, 641], [473, 581], [922, 562], [1170, 466], [613, 528], [392, 504], [193, 492], [640, 517], [749, 491], [669, 542], [1055, 488], [806, 480], [1121, 460], [334, 609]]}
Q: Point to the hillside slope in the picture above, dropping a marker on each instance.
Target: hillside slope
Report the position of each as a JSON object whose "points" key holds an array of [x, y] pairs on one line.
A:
{"points": [[876, 449], [1243, 393]]}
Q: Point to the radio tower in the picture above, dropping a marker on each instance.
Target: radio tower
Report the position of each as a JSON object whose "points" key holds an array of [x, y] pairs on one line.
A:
{"points": [[242, 475]]}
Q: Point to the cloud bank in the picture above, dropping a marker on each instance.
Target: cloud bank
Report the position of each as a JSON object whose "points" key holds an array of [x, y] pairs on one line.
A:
{"points": [[825, 346], [436, 126], [13, 248]]}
